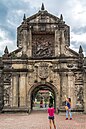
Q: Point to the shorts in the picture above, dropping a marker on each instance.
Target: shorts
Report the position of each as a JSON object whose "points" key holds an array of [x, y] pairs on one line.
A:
{"points": [[51, 117]]}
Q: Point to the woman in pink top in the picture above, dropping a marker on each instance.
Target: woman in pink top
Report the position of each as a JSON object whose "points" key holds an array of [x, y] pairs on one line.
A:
{"points": [[51, 116]]}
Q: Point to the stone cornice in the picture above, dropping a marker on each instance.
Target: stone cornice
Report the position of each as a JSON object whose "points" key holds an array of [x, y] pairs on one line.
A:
{"points": [[15, 70]]}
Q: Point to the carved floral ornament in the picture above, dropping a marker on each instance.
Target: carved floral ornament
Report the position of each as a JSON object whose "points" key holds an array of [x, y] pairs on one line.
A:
{"points": [[43, 70]]}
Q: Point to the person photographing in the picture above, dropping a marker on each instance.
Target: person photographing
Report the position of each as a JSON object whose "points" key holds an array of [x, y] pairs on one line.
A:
{"points": [[68, 108]]}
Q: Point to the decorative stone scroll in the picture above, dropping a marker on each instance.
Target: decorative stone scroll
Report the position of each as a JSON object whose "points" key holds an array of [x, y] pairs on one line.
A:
{"points": [[43, 70], [7, 78], [78, 77]]}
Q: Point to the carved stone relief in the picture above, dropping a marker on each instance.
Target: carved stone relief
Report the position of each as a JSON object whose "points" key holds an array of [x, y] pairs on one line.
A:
{"points": [[79, 95], [7, 78], [30, 78], [7, 87], [79, 89], [43, 45], [78, 80], [78, 77], [43, 70], [7, 96]]}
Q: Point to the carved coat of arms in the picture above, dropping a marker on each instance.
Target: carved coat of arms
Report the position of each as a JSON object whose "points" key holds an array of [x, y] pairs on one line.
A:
{"points": [[43, 70]]}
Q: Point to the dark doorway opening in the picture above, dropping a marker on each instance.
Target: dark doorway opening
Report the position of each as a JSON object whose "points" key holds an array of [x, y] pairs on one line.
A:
{"points": [[40, 97]]}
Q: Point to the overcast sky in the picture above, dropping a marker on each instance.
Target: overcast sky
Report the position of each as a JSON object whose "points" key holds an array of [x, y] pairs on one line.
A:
{"points": [[12, 11]]}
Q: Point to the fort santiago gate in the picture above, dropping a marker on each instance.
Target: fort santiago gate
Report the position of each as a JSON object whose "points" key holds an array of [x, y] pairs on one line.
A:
{"points": [[42, 62]]}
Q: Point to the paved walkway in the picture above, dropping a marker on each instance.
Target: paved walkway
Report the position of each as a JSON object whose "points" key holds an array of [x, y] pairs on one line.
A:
{"points": [[39, 120]]}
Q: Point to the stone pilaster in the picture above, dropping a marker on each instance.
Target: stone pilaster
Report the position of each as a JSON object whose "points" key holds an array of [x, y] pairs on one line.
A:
{"points": [[59, 42], [84, 90], [15, 80], [24, 41], [1, 86], [62, 43], [60, 90], [36, 73], [50, 74], [57, 46], [64, 83], [23, 89], [71, 86], [57, 102], [63, 87], [29, 51]]}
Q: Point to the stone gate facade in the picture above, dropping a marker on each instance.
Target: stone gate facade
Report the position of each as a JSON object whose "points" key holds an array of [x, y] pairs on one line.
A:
{"points": [[43, 60]]}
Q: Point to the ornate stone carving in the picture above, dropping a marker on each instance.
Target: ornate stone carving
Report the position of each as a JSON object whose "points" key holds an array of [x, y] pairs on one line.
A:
{"points": [[78, 77], [7, 83], [42, 46], [69, 65], [43, 70], [7, 96], [7, 78], [79, 96], [79, 89]]}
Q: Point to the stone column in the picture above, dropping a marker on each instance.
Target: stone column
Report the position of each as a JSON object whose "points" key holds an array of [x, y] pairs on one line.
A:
{"points": [[64, 82], [63, 87], [24, 41], [1, 86], [60, 92], [14, 90], [57, 42], [71, 87], [50, 74], [29, 51], [57, 102], [36, 74], [62, 42], [23, 89], [84, 91]]}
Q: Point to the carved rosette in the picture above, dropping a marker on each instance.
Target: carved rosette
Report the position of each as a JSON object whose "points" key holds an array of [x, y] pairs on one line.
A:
{"points": [[43, 70]]}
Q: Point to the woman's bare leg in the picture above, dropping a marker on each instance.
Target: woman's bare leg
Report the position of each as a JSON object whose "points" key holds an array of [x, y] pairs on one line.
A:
{"points": [[54, 124], [50, 124]]}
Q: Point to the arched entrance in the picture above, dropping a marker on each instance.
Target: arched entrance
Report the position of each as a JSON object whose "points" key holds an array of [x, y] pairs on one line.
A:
{"points": [[40, 88]]}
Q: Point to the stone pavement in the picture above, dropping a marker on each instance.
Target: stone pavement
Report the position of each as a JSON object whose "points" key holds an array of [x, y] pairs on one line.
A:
{"points": [[39, 120]]}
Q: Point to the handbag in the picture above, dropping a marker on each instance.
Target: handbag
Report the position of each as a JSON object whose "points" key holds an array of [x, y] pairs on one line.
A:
{"points": [[66, 107]]}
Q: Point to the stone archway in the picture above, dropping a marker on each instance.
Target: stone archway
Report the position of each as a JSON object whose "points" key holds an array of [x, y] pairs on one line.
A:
{"points": [[41, 86]]}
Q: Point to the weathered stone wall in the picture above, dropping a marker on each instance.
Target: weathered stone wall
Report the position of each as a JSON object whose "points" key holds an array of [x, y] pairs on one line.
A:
{"points": [[84, 90], [66, 81], [1, 85], [43, 58]]}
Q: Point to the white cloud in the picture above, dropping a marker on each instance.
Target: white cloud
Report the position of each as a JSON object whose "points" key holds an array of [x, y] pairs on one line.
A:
{"points": [[78, 38], [5, 41], [2, 34]]}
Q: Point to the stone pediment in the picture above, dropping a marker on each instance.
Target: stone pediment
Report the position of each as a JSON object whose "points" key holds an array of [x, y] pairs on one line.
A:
{"points": [[14, 54], [38, 17], [71, 53], [43, 17]]}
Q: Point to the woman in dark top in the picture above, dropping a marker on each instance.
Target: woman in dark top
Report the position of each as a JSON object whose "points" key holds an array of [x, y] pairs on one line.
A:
{"points": [[68, 108]]}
